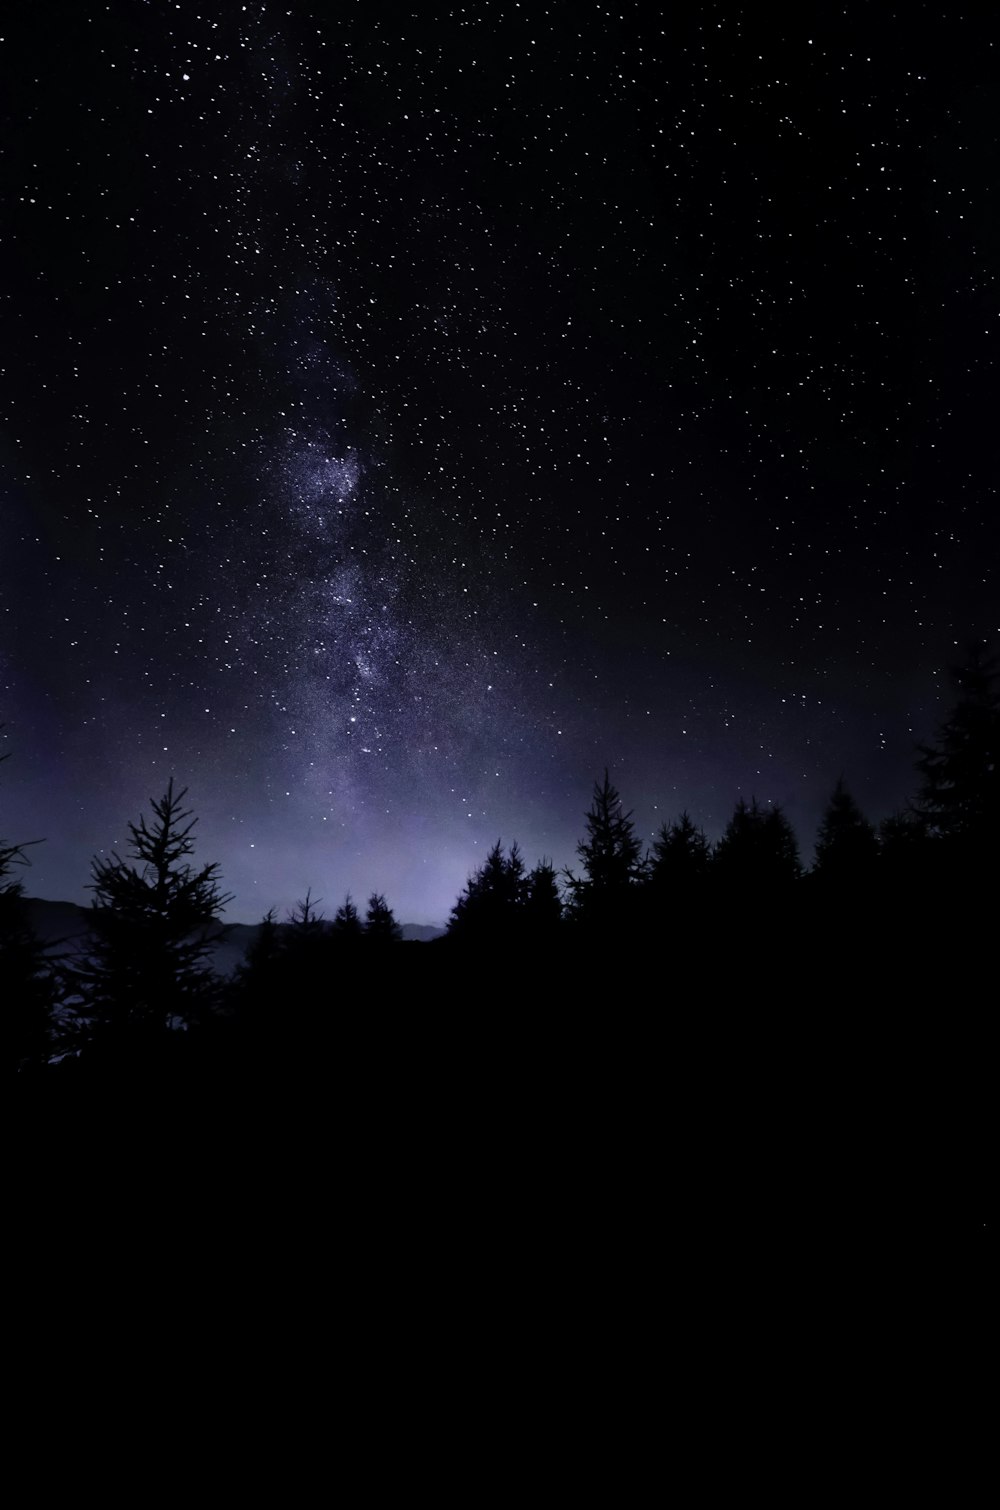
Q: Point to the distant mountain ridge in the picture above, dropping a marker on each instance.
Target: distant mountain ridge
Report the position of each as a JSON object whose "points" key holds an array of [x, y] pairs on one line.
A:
{"points": [[65, 922]]}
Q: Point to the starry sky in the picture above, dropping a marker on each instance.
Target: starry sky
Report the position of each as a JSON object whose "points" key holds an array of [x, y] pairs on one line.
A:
{"points": [[409, 411]]}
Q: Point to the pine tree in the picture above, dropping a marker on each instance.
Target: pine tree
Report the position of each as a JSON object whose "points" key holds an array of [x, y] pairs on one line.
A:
{"points": [[144, 968], [265, 948], [492, 903], [380, 922], [758, 852], [543, 909], [347, 926], [846, 846], [959, 797], [611, 852], [304, 946], [680, 859], [606, 894], [304, 970], [304, 921]]}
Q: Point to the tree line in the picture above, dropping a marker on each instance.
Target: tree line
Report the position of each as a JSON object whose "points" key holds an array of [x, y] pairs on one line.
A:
{"points": [[140, 986]]}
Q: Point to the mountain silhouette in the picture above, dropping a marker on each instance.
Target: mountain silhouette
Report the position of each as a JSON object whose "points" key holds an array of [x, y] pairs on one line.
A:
{"points": [[56, 923]]}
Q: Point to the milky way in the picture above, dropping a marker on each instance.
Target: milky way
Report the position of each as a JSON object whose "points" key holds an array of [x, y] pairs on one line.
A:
{"points": [[408, 416]]}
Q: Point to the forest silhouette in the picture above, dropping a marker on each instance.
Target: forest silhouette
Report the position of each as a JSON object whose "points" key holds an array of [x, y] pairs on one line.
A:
{"points": [[770, 982]]}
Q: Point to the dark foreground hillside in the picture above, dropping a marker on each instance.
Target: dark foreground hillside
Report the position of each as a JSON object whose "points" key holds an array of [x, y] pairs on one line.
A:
{"points": [[744, 1088], [691, 1034]]}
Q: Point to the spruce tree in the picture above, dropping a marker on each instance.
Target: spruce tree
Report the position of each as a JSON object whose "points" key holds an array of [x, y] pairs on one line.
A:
{"points": [[380, 922], [543, 909], [304, 921], [306, 939], [304, 970], [492, 903], [681, 857], [758, 852], [265, 948], [144, 968], [611, 855], [347, 926], [846, 846], [959, 797]]}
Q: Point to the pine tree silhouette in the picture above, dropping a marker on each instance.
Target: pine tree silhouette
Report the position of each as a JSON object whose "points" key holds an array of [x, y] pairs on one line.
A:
{"points": [[380, 922], [347, 926], [680, 859], [305, 944], [758, 852], [611, 855], [492, 903], [959, 797], [144, 968], [305, 920], [265, 948], [543, 909], [846, 846]]}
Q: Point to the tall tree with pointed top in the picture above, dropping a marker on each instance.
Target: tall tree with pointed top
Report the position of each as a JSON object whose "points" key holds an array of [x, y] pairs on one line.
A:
{"points": [[680, 859], [347, 926], [959, 797], [611, 855], [846, 846], [491, 905], [543, 909], [758, 852], [380, 921], [145, 966]]}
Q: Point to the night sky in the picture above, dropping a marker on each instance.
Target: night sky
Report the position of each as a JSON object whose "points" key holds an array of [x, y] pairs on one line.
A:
{"points": [[409, 411]]}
